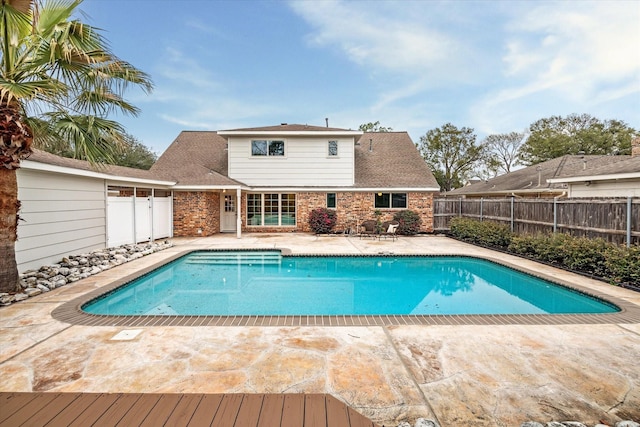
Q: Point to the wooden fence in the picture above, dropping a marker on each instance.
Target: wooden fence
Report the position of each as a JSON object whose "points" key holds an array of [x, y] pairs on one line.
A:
{"points": [[616, 219]]}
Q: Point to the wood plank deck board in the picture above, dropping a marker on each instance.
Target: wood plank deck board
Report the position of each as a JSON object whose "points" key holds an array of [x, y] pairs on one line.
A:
{"points": [[157, 409], [271, 413]]}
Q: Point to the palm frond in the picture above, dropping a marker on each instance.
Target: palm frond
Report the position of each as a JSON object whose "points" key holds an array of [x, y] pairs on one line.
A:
{"points": [[92, 138]]}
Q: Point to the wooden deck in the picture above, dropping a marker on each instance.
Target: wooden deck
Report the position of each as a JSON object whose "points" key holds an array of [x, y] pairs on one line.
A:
{"points": [[133, 409]]}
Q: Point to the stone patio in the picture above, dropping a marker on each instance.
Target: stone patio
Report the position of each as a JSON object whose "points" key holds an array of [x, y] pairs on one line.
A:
{"points": [[472, 375]]}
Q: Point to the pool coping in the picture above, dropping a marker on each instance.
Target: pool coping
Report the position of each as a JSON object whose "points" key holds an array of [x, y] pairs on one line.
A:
{"points": [[71, 312]]}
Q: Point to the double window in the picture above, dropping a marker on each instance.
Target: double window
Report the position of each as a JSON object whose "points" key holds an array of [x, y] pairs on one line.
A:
{"points": [[271, 209], [391, 200], [267, 147]]}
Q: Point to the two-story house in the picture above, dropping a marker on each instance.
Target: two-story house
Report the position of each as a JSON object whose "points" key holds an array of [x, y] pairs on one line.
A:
{"points": [[270, 178], [257, 179]]}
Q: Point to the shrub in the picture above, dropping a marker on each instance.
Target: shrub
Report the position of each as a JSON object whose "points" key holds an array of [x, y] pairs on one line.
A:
{"points": [[586, 255], [409, 221], [623, 264], [595, 257], [485, 233], [322, 220]]}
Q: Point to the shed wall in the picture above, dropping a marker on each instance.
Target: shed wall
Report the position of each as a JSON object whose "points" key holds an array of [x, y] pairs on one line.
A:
{"points": [[59, 215]]}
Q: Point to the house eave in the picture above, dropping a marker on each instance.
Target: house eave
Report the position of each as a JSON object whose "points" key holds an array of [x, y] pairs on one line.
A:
{"points": [[45, 167], [507, 192], [610, 177], [290, 133], [306, 189]]}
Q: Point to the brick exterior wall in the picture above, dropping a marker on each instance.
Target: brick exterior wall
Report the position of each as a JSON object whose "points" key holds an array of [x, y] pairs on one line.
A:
{"points": [[201, 210], [193, 211]]}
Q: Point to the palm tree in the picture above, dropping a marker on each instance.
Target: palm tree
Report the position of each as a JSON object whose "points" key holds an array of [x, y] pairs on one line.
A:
{"points": [[58, 82]]}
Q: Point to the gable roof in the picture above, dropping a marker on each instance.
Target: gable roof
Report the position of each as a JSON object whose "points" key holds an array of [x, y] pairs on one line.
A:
{"points": [[534, 179], [199, 158]]}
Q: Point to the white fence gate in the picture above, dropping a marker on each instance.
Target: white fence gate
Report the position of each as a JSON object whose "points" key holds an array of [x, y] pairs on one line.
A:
{"points": [[138, 219]]}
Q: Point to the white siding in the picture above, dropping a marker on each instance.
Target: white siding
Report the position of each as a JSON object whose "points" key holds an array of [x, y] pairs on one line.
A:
{"points": [[621, 188], [306, 163], [60, 215]]}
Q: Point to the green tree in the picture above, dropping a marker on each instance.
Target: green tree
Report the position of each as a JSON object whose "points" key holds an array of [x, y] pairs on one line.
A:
{"points": [[502, 151], [134, 154], [374, 127], [129, 152], [451, 153], [58, 81], [556, 136]]}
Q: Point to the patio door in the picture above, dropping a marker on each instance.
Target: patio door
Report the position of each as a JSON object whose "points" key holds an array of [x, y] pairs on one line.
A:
{"points": [[229, 214]]}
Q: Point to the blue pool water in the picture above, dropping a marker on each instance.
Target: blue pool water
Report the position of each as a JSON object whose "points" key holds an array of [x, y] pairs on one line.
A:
{"points": [[266, 283]]}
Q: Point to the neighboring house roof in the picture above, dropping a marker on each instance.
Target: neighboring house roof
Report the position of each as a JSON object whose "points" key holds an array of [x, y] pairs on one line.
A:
{"points": [[538, 178], [628, 168], [393, 161], [196, 158], [64, 164]]}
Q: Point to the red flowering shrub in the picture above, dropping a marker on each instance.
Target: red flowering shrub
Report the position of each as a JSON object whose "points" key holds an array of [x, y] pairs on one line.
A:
{"points": [[322, 220]]}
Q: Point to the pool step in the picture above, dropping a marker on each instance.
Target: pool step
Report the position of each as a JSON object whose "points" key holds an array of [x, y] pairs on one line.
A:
{"points": [[235, 258]]}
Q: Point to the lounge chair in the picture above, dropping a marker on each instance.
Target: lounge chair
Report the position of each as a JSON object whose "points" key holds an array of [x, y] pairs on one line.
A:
{"points": [[368, 228], [389, 229]]}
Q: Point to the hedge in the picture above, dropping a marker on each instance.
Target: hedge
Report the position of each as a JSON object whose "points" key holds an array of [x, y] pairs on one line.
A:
{"points": [[593, 257]]}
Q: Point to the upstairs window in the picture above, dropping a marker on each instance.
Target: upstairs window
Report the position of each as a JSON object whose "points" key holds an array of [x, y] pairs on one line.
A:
{"points": [[332, 149], [267, 148], [391, 200]]}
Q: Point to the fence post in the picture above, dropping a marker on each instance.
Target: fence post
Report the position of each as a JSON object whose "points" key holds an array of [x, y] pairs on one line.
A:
{"points": [[460, 206], [629, 206], [512, 197], [480, 209], [555, 214]]}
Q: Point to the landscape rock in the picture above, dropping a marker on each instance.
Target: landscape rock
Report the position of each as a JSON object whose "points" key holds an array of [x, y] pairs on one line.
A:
{"points": [[423, 422], [72, 268]]}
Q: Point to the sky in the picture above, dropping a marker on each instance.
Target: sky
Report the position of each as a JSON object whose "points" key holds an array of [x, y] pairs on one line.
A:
{"points": [[494, 66]]}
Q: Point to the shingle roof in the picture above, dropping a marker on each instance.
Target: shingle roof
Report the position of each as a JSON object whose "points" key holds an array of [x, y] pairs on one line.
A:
{"points": [[285, 127], [623, 165], [119, 171], [199, 158], [394, 161], [534, 178], [195, 158]]}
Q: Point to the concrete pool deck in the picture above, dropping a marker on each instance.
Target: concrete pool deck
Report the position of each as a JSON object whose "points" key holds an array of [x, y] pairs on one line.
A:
{"points": [[466, 374]]}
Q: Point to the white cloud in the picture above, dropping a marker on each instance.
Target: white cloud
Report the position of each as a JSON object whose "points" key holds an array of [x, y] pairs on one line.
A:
{"points": [[383, 36], [562, 58], [574, 47]]}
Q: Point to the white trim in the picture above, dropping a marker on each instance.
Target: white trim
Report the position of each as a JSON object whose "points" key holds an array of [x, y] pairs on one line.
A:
{"points": [[343, 190], [613, 176], [45, 167], [283, 133], [207, 187]]}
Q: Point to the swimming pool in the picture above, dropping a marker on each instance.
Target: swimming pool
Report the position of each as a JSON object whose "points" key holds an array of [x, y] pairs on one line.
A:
{"points": [[214, 283]]}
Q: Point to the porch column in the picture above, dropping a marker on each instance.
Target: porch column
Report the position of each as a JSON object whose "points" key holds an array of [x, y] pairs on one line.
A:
{"points": [[238, 213]]}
